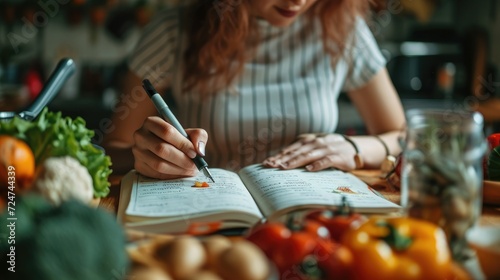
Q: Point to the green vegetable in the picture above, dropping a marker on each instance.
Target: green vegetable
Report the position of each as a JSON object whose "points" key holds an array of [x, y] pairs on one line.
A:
{"points": [[70, 241], [50, 135]]}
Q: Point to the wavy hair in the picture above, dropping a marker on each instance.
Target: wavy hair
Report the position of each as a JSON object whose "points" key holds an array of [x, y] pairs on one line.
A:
{"points": [[222, 36]]}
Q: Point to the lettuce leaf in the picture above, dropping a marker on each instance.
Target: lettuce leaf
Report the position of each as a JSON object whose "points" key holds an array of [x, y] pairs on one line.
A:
{"points": [[51, 135]]}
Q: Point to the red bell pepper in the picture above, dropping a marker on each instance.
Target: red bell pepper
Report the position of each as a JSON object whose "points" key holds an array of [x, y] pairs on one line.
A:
{"points": [[493, 140]]}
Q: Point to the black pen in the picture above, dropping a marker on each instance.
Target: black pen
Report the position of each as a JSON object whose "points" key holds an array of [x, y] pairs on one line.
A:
{"points": [[165, 112]]}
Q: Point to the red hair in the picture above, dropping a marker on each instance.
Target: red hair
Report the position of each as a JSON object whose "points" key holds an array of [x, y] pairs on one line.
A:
{"points": [[223, 35]]}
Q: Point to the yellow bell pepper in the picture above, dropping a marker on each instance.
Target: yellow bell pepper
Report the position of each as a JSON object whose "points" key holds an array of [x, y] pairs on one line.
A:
{"points": [[399, 248]]}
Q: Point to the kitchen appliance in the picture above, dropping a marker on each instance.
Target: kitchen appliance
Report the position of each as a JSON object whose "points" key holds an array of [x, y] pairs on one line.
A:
{"points": [[64, 69], [426, 70]]}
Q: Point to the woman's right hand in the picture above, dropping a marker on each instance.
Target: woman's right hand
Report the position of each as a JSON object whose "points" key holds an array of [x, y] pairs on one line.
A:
{"points": [[162, 152]]}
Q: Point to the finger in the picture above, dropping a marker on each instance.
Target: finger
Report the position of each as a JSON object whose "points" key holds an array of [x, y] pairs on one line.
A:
{"points": [[151, 165], [199, 138], [147, 141], [145, 170], [305, 143], [337, 161], [314, 150], [170, 134], [303, 159], [278, 160], [300, 151]]}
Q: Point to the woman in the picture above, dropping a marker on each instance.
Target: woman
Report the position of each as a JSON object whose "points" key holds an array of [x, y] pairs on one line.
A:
{"points": [[261, 78]]}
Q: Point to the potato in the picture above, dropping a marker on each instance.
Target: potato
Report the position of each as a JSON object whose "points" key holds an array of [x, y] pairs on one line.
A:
{"points": [[138, 258], [181, 257], [151, 245], [148, 273], [214, 246], [145, 267], [243, 261], [204, 275]]}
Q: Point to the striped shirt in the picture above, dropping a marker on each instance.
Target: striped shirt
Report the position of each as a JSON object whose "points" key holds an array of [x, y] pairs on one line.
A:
{"points": [[290, 87]]}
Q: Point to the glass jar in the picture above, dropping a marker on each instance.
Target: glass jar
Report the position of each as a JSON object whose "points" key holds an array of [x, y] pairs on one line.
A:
{"points": [[441, 178]]}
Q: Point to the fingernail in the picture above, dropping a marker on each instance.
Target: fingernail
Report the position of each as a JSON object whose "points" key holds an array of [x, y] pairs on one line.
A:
{"points": [[191, 154], [284, 164], [201, 148], [309, 167]]}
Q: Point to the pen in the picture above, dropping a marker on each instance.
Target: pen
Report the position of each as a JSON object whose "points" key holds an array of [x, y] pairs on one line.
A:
{"points": [[165, 112]]}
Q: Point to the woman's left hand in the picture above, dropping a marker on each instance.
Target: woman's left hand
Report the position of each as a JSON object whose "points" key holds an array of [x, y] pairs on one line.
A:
{"points": [[316, 152]]}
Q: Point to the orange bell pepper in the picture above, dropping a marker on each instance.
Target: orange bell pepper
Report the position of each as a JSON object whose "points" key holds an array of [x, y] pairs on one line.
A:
{"points": [[398, 248]]}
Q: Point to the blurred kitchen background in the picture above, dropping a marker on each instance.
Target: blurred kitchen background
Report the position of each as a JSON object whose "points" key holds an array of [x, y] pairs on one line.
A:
{"points": [[441, 53]]}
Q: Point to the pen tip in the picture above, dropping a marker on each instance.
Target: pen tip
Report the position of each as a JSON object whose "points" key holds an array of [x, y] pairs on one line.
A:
{"points": [[208, 174], [211, 178]]}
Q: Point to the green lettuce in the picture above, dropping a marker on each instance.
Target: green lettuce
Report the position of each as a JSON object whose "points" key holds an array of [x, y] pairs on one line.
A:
{"points": [[51, 135]]}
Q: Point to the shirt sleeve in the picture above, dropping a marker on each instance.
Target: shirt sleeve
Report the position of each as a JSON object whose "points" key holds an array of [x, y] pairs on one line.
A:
{"points": [[154, 56], [364, 58]]}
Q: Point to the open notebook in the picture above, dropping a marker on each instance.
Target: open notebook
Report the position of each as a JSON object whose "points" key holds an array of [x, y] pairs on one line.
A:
{"points": [[238, 200]]}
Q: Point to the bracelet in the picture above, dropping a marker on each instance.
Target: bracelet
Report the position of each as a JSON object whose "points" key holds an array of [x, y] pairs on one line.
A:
{"points": [[389, 162], [387, 152], [357, 157]]}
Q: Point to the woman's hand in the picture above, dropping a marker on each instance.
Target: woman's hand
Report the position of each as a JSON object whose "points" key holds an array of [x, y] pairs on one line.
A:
{"points": [[162, 152], [316, 152]]}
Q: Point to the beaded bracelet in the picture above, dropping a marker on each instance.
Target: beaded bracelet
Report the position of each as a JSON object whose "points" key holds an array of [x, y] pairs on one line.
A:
{"points": [[357, 157]]}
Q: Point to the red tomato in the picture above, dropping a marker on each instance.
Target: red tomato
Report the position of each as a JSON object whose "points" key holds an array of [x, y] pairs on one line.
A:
{"points": [[334, 260], [301, 249], [337, 224], [315, 228], [336, 221], [292, 252], [269, 235]]}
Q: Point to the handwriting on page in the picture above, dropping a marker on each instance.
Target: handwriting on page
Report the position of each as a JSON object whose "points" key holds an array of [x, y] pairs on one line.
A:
{"points": [[156, 198], [286, 188]]}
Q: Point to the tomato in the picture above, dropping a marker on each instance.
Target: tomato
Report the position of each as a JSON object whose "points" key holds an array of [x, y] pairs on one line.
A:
{"points": [[293, 251], [336, 224], [315, 228], [335, 260], [337, 221], [268, 235], [301, 249]]}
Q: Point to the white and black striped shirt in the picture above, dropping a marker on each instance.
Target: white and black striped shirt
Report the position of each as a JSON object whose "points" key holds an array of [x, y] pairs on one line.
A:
{"points": [[290, 87]]}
